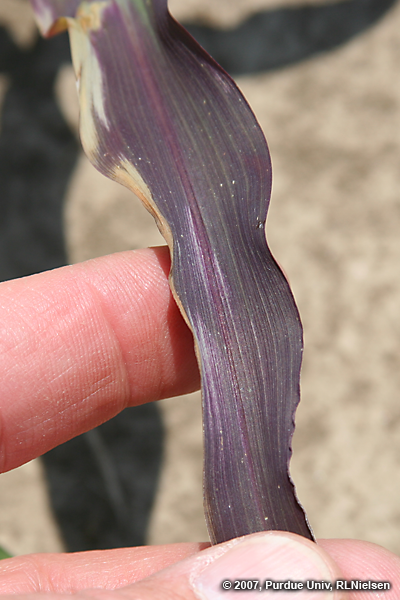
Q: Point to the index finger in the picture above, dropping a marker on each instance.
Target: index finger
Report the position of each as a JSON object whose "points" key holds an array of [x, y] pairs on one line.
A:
{"points": [[80, 343]]}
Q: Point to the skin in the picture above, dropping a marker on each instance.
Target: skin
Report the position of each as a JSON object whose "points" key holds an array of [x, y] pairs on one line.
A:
{"points": [[78, 345]]}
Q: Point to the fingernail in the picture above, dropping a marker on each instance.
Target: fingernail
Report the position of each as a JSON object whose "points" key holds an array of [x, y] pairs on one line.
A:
{"points": [[263, 562]]}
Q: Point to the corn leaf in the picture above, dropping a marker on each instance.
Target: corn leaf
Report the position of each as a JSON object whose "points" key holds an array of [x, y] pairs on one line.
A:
{"points": [[161, 117], [4, 554]]}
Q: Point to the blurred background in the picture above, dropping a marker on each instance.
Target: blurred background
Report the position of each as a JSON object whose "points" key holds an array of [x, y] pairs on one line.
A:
{"points": [[322, 78]]}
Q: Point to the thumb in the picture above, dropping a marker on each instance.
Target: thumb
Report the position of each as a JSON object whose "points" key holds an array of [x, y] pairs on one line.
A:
{"points": [[264, 560]]}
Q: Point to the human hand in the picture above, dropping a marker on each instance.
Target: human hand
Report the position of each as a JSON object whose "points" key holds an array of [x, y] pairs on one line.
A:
{"points": [[78, 345], [195, 571]]}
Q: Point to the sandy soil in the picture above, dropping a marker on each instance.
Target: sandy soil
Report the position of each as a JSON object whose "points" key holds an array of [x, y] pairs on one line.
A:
{"points": [[332, 124]]}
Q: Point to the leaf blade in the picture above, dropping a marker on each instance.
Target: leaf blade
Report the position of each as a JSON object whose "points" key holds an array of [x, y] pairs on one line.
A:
{"points": [[158, 115]]}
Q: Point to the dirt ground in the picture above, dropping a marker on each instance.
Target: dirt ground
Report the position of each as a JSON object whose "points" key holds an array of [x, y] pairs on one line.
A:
{"points": [[332, 123]]}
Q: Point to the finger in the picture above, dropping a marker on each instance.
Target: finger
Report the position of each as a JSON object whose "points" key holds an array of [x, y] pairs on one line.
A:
{"points": [[81, 343], [267, 556], [105, 569], [273, 559], [368, 563]]}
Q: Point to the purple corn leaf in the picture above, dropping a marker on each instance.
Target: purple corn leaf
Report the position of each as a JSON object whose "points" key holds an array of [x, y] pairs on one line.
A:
{"points": [[161, 117]]}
